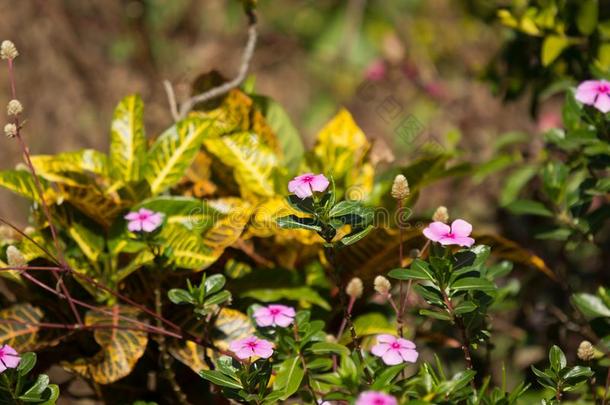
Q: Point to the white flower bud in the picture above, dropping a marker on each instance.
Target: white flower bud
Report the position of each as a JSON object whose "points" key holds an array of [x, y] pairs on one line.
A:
{"points": [[354, 288], [400, 187], [441, 215], [586, 351], [14, 107], [15, 257], [8, 50], [382, 285], [10, 130]]}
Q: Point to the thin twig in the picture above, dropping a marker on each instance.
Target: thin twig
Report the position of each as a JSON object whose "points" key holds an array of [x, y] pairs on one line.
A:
{"points": [[246, 58]]}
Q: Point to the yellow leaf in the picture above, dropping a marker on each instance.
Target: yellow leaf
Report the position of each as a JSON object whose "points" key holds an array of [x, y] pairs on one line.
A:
{"points": [[21, 334], [120, 348]]}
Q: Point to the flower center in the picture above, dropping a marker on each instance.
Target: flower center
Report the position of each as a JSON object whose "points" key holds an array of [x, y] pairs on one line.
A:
{"points": [[143, 217], [274, 311], [603, 88], [1, 353], [395, 345], [251, 345], [450, 235], [379, 401], [307, 179]]}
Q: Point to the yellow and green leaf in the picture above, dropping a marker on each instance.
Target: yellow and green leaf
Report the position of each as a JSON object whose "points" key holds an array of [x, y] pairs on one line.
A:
{"points": [[127, 140], [19, 326]]}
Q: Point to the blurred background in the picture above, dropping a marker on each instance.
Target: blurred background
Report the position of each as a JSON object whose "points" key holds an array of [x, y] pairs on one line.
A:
{"points": [[387, 61]]}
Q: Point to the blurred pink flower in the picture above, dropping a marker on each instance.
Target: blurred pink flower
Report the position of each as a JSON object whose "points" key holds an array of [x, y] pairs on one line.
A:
{"points": [[595, 93], [304, 185], [394, 350], [457, 234], [9, 358], [274, 315], [376, 71], [144, 220], [375, 398], [251, 347]]}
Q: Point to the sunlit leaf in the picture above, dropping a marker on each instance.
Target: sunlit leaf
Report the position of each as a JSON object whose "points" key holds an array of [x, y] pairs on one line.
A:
{"points": [[127, 140]]}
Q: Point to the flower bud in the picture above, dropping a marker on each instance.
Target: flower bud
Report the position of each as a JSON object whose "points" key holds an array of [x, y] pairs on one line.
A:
{"points": [[586, 351], [354, 288], [10, 130], [14, 107], [8, 50], [15, 257], [400, 188], [330, 338], [441, 215], [382, 285]]}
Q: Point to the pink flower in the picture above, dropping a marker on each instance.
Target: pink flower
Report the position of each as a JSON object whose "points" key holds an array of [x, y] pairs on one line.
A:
{"points": [[304, 185], [457, 234], [394, 350], [274, 315], [376, 71], [251, 347], [144, 220], [595, 93], [375, 398], [8, 358]]}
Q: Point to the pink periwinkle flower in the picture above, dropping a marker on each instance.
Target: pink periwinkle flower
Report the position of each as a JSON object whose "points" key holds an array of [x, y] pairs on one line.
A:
{"points": [[394, 350], [595, 93], [251, 347], [274, 315], [376, 71], [9, 358], [457, 234], [144, 220], [375, 398], [304, 185]]}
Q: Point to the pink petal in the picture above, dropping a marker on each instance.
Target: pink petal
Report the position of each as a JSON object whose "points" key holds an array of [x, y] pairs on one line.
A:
{"points": [[303, 191], [294, 184], [145, 212], [261, 311], [2, 368], [10, 360], [283, 320], [587, 91], [149, 225], [385, 338], [380, 349], [285, 310], [392, 357], [264, 320], [244, 353], [463, 241], [459, 227], [319, 183], [603, 103], [406, 344], [132, 216], [236, 345], [263, 352], [134, 226], [409, 355], [436, 230]]}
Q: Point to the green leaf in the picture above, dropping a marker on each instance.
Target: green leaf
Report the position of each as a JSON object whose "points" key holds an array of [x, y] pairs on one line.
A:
{"points": [[218, 378], [356, 235], [515, 182], [294, 222], [587, 17], [214, 283], [557, 358], [180, 296], [443, 316], [127, 140], [465, 307], [287, 135], [303, 294], [473, 283], [289, 376], [387, 375], [591, 305], [34, 393], [218, 298], [529, 207], [51, 395], [552, 47], [174, 151], [27, 363], [328, 348]]}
